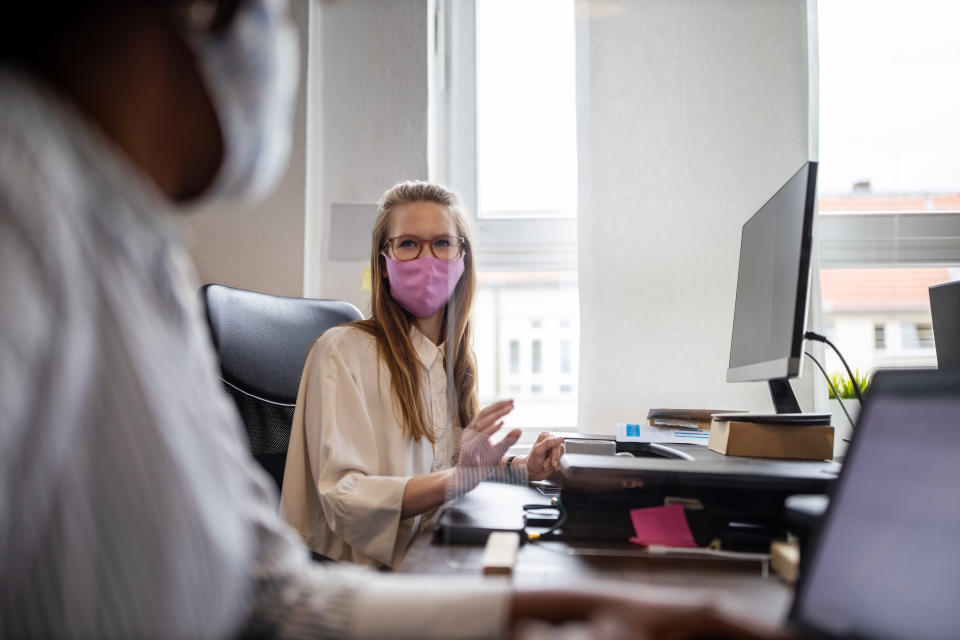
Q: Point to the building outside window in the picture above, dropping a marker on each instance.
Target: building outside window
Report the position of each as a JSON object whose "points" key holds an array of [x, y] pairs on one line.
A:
{"points": [[889, 181], [880, 317]]}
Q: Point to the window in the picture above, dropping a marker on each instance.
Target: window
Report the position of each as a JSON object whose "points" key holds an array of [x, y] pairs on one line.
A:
{"points": [[879, 336], [917, 335], [526, 109], [535, 356], [889, 188], [504, 132]]}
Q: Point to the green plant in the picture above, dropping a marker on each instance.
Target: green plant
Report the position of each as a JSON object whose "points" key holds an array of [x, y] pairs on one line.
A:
{"points": [[845, 388]]}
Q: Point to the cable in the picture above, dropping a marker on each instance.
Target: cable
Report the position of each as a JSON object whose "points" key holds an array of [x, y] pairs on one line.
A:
{"points": [[810, 335], [556, 505], [832, 388]]}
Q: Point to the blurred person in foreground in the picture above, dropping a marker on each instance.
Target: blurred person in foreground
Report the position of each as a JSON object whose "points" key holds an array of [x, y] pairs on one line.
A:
{"points": [[129, 504]]}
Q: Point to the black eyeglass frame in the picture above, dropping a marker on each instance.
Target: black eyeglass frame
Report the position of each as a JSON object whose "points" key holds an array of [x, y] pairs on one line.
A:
{"points": [[462, 246]]}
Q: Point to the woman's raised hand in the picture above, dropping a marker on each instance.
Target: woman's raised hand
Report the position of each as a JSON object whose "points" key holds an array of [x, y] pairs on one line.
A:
{"points": [[478, 456], [476, 450]]}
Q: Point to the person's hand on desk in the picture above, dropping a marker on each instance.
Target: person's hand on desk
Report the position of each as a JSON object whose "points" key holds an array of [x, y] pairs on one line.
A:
{"points": [[544, 457], [600, 616]]}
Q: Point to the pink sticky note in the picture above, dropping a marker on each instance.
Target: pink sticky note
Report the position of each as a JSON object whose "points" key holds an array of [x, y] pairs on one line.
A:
{"points": [[665, 526]]}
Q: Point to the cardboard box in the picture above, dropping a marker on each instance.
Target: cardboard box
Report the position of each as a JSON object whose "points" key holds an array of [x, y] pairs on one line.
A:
{"points": [[771, 440]]}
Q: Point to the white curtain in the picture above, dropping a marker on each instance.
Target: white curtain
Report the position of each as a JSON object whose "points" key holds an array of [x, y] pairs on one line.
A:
{"points": [[691, 114]]}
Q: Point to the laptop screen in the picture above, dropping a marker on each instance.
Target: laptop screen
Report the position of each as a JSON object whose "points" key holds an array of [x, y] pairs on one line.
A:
{"points": [[887, 564]]}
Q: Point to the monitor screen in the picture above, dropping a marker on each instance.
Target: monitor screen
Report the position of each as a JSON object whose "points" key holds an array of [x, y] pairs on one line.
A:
{"points": [[768, 317], [887, 564], [945, 310]]}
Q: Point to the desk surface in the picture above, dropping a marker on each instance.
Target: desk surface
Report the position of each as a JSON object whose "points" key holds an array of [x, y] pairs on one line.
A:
{"points": [[742, 585]]}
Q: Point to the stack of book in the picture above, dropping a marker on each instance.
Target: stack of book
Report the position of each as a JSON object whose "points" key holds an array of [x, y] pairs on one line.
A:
{"points": [[684, 418]]}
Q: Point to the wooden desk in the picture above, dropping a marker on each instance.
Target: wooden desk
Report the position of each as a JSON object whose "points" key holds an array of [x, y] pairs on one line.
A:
{"points": [[742, 585]]}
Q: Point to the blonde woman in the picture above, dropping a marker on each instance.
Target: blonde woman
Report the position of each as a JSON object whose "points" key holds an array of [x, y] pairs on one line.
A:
{"points": [[387, 424]]}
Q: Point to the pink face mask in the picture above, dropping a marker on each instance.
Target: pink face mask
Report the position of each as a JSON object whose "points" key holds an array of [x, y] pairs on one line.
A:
{"points": [[424, 285]]}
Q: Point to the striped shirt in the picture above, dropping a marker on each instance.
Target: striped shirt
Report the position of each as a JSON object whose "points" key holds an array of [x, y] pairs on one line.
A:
{"points": [[129, 505]]}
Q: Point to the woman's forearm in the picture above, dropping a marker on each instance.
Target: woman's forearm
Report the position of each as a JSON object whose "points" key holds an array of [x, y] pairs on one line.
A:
{"points": [[423, 493], [552, 606]]}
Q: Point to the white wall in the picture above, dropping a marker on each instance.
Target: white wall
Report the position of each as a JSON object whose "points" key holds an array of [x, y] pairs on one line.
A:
{"points": [[261, 247], [364, 77], [368, 121], [691, 114]]}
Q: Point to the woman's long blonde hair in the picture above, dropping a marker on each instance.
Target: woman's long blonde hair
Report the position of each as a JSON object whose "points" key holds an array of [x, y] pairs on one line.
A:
{"points": [[390, 323]]}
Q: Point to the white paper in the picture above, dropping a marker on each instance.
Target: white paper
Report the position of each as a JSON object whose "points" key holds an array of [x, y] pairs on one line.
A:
{"points": [[665, 435]]}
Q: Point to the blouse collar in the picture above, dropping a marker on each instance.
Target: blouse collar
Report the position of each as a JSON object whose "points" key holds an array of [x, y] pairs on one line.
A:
{"points": [[427, 352]]}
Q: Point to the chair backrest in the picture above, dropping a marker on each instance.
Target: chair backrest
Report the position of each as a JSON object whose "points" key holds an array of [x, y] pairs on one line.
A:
{"points": [[262, 341]]}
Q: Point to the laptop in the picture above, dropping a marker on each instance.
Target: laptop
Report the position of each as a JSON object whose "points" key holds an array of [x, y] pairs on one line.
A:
{"points": [[945, 310], [886, 562]]}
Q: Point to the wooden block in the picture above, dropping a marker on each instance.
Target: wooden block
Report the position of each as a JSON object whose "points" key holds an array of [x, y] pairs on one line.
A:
{"points": [[785, 560], [771, 440], [500, 554]]}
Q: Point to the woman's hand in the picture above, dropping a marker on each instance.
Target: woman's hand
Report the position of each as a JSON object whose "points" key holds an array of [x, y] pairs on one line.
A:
{"points": [[544, 456], [478, 456]]}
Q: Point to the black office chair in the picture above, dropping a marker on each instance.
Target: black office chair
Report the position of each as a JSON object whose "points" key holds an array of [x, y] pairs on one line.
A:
{"points": [[262, 341]]}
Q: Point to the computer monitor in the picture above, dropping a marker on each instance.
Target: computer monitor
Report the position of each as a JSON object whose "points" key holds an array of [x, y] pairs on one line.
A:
{"points": [[771, 302], [945, 310]]}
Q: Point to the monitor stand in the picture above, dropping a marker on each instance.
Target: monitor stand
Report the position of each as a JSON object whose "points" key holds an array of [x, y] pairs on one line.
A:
{"points": [[787, 407], [784, 400]]}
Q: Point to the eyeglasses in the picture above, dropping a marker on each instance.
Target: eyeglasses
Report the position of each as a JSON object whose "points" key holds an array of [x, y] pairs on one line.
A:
{"points": [[411, 247]]}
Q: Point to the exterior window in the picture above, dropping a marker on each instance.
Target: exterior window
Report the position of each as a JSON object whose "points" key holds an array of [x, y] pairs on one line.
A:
{"points": [[925, 335], [514, 356], [879, 336], [536, 354], [564, 356], [917, 335]]}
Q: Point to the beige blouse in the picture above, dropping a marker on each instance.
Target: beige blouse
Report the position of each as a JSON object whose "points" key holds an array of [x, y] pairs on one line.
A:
{"points": [[349, 460]]}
